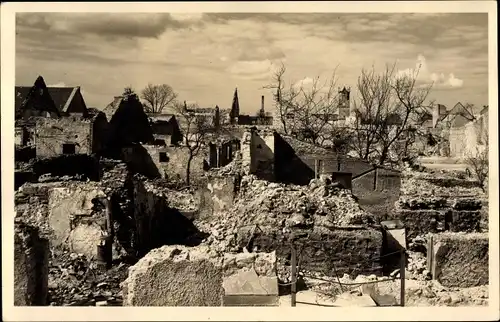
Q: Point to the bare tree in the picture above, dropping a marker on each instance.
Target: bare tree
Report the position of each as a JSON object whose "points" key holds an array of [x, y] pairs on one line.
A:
{"points": [[478, 163], [157, 97], [196, 129], [306, 113], [388, 111], [130, 94]]}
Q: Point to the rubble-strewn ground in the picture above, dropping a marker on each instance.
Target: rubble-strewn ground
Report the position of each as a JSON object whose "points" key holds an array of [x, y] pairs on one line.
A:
{"points": [[75, 280], [419, 289], [438, 182]]}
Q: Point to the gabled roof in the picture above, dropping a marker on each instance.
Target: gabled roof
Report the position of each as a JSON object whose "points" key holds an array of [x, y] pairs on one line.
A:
{"points": [[112, 107], [63, 96], [25, 94]]}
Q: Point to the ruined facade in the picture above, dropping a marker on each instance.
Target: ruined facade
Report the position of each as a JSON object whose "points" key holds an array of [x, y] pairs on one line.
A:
{"points": [[40, 101], [70, 135], [470, 138], [167, 162]]}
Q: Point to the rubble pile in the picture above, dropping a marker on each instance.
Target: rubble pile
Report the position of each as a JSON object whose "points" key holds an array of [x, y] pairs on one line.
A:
{"points": [[182, 199], [282, 208], [437, 184], [75, 280], [417, 266], [419, 292]]}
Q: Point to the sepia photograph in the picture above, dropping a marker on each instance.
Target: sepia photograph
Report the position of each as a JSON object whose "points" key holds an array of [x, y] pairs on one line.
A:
{"points": [[251, 158]]}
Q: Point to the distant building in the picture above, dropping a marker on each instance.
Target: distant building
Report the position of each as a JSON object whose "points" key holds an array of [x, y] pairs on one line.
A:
{"points": [[40, 101], [165, 128], [70, 135], [261, 118], [128, 125]]}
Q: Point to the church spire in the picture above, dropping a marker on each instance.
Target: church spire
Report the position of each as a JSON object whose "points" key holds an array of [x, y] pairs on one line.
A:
{"points": [[235, 108]]}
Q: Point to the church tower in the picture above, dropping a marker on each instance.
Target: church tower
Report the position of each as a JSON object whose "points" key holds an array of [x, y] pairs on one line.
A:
{"points": [[344, 103], [235, 108]]}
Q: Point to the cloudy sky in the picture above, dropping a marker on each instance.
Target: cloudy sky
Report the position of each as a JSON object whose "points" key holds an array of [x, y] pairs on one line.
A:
{"points": [[205, 56]]}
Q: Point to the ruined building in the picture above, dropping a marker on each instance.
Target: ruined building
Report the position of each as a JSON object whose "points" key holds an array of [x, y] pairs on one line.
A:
{"points": [[70, 135], [165, 128], [128, 125], [42, 101]]}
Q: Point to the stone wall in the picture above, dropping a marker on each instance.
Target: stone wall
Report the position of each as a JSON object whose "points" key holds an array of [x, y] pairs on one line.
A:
{"points": [[322, 250], [262, 154], [174, 276], [469, 138], [74, 222], [165, 162], [458, 259], [195, 276], [422, 215], [53, 134], [217, 196], [158, 220], [31, 266]]}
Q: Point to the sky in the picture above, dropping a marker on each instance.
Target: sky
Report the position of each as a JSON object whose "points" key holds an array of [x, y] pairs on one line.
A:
{"points": [[205, 56]]}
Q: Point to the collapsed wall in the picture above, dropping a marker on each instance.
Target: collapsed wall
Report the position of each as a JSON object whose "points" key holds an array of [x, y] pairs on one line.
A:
{"points": [[161, 216], [31, 265], [269, 216], [423, 215], [459, 259], [69, 211], [432, 203]]}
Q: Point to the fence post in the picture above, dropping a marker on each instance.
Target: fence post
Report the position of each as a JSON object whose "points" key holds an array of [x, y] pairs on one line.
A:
{"points": [[402, 271], [294, 276]]}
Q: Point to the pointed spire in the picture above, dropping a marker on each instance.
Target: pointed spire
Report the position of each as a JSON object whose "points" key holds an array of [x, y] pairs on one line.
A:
{"points": [[235, 108]]}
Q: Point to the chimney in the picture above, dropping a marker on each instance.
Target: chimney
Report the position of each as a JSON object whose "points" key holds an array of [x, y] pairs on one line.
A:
{"points": [[262, 103]]}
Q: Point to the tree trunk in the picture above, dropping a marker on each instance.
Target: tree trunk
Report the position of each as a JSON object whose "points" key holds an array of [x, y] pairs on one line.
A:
{"points": [[383, 155], [188, 169]]}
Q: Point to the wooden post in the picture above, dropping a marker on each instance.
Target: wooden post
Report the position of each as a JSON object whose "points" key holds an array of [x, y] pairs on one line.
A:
{"points": [[294, 277], [402, 271]]}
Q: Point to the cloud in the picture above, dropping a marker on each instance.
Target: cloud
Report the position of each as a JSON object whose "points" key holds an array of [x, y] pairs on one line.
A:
{"points": [[424, 76], [252, 70], [131, 25], [304, 82], [105, 52]]}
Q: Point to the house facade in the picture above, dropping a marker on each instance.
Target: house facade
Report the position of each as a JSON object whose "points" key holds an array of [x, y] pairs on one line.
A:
{"points": [[40, 101]]}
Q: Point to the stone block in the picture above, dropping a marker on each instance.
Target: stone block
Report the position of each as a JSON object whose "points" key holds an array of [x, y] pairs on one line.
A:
{"points": [[459, 259], [175, 276], [31, 266], [467, 221]]}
